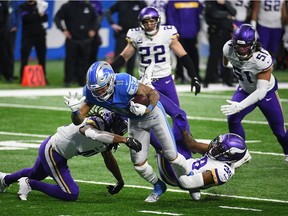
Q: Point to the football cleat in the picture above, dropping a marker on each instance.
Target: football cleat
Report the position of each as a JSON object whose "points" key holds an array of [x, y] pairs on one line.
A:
{"points": [[286, 158], [195, 194], [3, 186], [159, 188], [25, 188]]}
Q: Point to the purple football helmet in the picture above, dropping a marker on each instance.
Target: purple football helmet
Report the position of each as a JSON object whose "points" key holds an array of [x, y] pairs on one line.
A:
{"points": [[99, 75], [228, 147], [146, 14], [244, 41]]}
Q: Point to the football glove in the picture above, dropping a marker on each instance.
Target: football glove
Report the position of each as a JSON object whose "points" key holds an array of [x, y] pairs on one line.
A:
{"points": [[232, 108], [137, 109], [195, 83], [114, 189], [72, 101], [133, 143]]}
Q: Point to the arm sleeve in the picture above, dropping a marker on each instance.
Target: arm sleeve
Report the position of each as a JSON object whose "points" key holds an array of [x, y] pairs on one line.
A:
{"points": [[258, 94], [188, 64]]}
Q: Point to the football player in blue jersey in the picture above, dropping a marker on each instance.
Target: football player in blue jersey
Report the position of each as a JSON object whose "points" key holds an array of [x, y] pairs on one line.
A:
{"points": [[96, 134], [114, 92]]}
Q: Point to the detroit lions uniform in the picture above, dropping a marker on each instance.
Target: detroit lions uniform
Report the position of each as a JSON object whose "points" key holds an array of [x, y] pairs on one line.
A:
{"points": [[157, 49], [139, 127], [246, 73]]}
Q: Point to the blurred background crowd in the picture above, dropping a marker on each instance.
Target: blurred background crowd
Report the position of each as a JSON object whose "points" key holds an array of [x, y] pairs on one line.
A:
{"points": [[82, 32]]}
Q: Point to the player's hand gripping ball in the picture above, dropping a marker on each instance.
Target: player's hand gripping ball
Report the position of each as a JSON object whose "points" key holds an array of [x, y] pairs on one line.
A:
{"points": [[138, 104]]}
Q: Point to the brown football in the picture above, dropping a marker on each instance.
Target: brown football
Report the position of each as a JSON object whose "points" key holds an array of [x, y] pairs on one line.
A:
{"points": [[141, 99]]}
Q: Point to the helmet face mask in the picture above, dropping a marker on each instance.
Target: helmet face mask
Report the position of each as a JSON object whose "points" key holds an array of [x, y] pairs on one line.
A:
{"points": [[244, 41], [100, 80], [227, 147], [149, 20]]}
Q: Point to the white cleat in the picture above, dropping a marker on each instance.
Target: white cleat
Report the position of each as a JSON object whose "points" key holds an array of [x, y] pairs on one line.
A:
{"points": [[3, 186], [286, 158], [247, 157], [195, 194], [152, 198], [159, 188], [25, 188]]}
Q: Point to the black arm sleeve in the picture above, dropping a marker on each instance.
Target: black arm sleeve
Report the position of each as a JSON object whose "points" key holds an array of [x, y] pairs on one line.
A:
{"points": [[118, 62], [188, 64]]}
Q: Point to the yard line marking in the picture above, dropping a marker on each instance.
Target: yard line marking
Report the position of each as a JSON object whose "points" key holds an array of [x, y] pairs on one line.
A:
{"points": [[266, 153], [34, 107], [159, 213], [31, 143], [213, 96], [239, 208], [188, 117], [182, 191], [23, 134]]}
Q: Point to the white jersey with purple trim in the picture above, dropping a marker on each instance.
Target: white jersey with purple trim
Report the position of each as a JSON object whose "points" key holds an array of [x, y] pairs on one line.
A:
{"points": [[246, 71], [69, 142], [154, 49], [221, 171], [270, 13], [241, 6]]}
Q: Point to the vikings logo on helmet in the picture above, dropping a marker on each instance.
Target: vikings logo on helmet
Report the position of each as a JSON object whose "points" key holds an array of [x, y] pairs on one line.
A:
{"points": [[227, 147]]}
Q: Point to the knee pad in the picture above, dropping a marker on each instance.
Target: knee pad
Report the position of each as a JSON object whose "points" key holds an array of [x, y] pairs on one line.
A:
{"points": [[147, 173]]}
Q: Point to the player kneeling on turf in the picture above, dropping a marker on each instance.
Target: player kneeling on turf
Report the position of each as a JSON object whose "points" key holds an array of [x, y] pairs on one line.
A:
{"points": [[98, 133]]}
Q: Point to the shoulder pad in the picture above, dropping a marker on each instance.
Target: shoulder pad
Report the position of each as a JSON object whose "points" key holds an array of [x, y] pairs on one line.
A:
{"points": [[228, 48], [263, 59]]}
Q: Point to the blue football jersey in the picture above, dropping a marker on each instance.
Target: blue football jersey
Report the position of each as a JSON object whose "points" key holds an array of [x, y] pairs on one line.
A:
{"points": [[125, 88]]}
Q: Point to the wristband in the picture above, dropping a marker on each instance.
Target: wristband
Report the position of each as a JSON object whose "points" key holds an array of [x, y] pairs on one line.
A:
{"points": [[150, 107], [77, 112]]}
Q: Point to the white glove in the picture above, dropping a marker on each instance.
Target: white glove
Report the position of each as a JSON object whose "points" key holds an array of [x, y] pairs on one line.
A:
{"points": [[285, 37], [232, 108], [42, 6], [72, 102], [137, 109], [146, 78]]}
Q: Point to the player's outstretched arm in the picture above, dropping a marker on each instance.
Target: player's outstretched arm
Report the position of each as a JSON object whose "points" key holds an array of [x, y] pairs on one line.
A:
{"points": [[90, 131], [113, 167]]}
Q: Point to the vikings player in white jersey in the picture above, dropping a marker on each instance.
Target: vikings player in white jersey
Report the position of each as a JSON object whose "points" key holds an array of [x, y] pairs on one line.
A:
{"points": [[252, 65], [153, 42], [114, 92], [87, 139], [216, 167], [268, 17], [242, 8]]}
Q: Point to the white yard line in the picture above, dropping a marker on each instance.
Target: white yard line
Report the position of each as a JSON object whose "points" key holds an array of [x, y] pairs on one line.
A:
{"points": [[21, 106], [65, 91]]}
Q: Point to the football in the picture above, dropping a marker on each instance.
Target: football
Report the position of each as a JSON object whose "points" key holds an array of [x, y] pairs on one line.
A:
{"points": [[141, 99]]}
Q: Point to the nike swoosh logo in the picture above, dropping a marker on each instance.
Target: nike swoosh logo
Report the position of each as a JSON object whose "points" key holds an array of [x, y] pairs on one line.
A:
{"points": [[168, 81], [268, 99]]}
